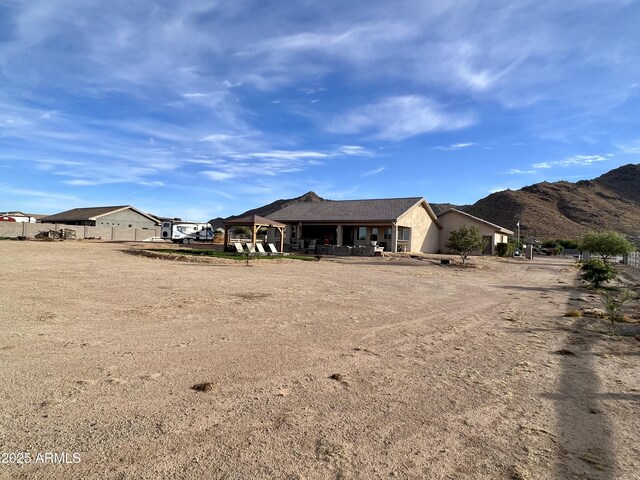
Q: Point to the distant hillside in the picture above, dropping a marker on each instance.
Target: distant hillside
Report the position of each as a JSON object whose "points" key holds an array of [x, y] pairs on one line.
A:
{"points": [[266, 210], [567, 210], [441, 207]]}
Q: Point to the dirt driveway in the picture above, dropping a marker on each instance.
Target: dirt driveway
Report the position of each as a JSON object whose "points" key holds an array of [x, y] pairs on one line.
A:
{"points": [[367, 368]]}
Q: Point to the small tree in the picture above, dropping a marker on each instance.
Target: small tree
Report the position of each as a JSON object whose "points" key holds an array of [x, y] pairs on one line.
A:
{"points": [[613, 305], [465, 240], [597, 271], [606, 244]]}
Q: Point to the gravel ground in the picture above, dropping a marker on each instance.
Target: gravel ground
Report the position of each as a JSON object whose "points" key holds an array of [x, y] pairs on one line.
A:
{"points": [[344, 368]]}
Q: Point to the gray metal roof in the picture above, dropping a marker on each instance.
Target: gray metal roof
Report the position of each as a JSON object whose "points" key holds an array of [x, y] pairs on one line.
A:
{"points": [[376, 210], [89, 213]]}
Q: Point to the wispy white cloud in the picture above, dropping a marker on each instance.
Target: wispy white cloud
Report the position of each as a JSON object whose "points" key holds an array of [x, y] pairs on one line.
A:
{"points": [[454, 146], [397, 118], [575, 160], [284, 155], [375, 171], [515, 171], [354, 150], [274, 162], [24, 192]]}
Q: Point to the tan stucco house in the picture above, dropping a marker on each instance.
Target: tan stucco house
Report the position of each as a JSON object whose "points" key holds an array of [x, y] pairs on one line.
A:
{"points": [[397, 224], [452, 219]]}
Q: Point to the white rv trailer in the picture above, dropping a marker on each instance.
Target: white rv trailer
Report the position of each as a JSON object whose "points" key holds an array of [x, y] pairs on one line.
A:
{"points": [[186, 232]]}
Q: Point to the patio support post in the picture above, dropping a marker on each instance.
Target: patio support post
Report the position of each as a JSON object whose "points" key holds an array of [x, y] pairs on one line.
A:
{"points": [[226, 238], [394, 238], [339, 233]]}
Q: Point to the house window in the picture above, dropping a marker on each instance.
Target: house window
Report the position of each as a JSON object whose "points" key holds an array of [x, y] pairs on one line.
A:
{"points": [[293, 231], [404, 233], [362, 233], [374, 235], [387, 234]]}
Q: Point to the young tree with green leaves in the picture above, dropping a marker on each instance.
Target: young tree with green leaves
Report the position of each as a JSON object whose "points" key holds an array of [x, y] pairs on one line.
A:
{"points": [[606, 244], [597, 271], [465, 240]]}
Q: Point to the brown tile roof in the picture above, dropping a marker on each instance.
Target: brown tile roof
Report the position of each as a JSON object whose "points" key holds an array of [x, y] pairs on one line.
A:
{"points": [[89, 213], [376, 210]]}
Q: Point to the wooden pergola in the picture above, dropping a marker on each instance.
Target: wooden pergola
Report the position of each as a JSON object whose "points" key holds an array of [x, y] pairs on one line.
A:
{"points": [[254, 222]]}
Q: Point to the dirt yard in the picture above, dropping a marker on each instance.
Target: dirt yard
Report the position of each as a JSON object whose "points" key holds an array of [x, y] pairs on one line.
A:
{"points": [[343, 368]]}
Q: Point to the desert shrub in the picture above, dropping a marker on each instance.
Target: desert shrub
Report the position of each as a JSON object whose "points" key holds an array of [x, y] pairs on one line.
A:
{"points": [[597, 271], [613, 305], [573, 313]]}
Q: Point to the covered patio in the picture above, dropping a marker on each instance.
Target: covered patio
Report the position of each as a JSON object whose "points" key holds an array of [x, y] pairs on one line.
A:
{"points": [[254, 222]]}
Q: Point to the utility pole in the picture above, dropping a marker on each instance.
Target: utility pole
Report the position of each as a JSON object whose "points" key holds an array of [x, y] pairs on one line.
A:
{"points": [[518, 225]]}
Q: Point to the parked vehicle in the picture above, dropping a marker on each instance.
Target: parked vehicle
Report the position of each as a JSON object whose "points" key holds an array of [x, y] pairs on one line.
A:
{"points": [[186, 232]]}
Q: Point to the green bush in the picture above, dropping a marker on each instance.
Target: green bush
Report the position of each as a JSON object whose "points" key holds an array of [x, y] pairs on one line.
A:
{"points": [[505, 249], [597, 271], [606, 244], [568, 243], [465, 241], [552, 247]]}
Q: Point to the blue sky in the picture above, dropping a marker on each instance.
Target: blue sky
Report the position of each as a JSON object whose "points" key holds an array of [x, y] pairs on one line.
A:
{"points": [[202, 109]]}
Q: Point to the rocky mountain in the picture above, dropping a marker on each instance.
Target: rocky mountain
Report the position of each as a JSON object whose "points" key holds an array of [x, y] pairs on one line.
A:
{"points": [[568, 210], [266, 210]]}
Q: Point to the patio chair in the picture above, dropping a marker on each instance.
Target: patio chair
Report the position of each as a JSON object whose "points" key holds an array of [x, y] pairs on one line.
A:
{"points": [[260, 249], [312, 246], [239, 248], [272, 249], [250, 248]]}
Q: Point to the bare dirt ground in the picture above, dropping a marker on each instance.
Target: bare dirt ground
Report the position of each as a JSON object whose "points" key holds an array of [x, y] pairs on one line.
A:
{"points": [[438, 372]]}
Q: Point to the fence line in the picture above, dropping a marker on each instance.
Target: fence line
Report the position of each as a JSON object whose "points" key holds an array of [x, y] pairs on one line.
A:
{"points": [[31, 230], [632, 259]]}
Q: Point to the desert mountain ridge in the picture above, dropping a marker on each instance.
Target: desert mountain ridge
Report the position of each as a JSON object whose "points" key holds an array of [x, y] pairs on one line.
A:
{"points": [[568, 210], [545, 210], [267, 210]]}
